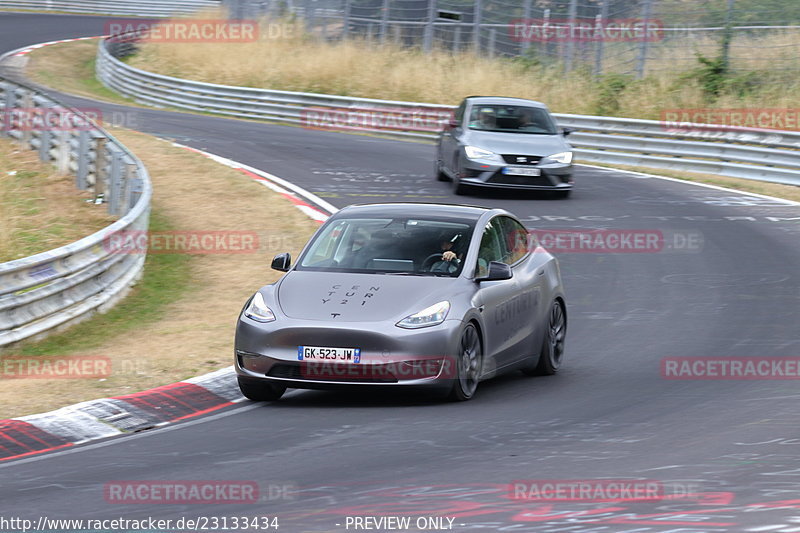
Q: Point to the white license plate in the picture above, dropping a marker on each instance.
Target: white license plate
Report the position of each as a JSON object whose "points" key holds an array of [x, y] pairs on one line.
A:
{"points": [[522, 171], [324, 353]]}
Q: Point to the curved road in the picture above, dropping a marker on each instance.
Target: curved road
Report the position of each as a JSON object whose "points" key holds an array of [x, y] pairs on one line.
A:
{"points": [[732, 290]]}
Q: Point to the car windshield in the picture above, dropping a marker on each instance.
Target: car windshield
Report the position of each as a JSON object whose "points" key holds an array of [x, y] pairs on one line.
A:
{"points": [[399, 246], [511, 119]]}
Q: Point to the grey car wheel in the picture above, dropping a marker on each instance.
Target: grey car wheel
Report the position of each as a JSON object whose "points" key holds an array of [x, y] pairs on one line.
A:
{"points": [[552, 352], [260, 391], [469, 361]]}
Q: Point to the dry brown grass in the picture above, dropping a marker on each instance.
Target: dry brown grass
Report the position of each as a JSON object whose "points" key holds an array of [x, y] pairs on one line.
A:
{"points": [[70, 67], [195, 334], [40, 209], [359, 68]]}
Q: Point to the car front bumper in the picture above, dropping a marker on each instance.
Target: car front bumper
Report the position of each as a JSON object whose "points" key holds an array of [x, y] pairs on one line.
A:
{"points": [[552, 177], [390, 356]]}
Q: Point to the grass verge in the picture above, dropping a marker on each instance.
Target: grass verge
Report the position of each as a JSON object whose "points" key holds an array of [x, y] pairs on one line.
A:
{"points": [[179, 320], [40, 209], [70, 68]]}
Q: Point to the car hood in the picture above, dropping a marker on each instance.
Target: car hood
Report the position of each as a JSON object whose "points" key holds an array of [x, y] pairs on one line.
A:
{"points": [[316, 295], [517, 143]]}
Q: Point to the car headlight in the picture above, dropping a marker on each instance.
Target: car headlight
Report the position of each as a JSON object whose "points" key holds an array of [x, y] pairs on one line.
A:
{"points": [[479, 154], [430, 316], [258, 310], [565, 158]]}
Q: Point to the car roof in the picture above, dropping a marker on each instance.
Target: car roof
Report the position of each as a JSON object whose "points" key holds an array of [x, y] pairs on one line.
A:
{"points": [[416, 209], [504, 100]]}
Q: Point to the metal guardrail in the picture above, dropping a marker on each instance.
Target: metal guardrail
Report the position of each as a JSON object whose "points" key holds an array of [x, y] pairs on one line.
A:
{"points": [[143, 8], [55, 288], [765, 155]]}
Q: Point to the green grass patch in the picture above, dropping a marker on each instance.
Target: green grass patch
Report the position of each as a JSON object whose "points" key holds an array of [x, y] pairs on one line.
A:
{"points": [[166, 278]]}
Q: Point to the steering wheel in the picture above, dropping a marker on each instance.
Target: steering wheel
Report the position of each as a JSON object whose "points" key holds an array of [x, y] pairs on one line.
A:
{"points": [[425, 266]]}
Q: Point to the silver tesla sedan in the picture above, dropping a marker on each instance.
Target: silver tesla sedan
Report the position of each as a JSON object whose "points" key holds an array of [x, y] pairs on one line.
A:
{"points": [[508, 143], [405, 295]]}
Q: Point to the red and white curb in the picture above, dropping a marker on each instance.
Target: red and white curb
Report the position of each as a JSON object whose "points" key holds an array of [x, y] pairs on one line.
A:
{"points": [[119, 415], [28, 49], [307, 202]]}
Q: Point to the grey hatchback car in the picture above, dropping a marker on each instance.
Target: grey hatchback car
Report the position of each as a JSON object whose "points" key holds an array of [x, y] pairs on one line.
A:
{"points": [[500, 142]]}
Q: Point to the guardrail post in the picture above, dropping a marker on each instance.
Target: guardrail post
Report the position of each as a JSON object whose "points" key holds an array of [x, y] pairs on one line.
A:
{"points": [[62, 155], [136, 187], [457, 37], [115, 179], [26, 132], [45, 143], [492, 38], [82, 172], [101, 169], [127, 181], [8, 104]]}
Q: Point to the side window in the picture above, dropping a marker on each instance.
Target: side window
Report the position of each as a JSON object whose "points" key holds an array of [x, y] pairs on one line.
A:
{"points": [[326, 244], [491, 247], [515, 238]]}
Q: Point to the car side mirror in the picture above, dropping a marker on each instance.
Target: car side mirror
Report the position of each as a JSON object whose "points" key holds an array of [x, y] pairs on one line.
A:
{"points": [[282, 262], [566, 131], [497, 271]]}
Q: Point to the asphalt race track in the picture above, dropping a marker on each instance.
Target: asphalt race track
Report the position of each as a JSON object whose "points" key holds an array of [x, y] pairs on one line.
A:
{"points": [[726, 283]]}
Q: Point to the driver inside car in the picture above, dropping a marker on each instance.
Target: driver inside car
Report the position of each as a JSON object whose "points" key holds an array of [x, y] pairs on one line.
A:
{"points": [[451, 257]]}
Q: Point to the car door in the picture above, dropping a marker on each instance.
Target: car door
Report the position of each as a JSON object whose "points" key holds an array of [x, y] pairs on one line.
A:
{"points": [[448, 141], [494, 298], [523, 310]]}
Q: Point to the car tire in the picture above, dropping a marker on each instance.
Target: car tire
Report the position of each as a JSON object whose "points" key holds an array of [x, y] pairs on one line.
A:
{"points": [[458, 187], [260, 391], [551, 353], [469, 362], [437, 169]]}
